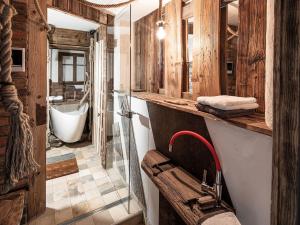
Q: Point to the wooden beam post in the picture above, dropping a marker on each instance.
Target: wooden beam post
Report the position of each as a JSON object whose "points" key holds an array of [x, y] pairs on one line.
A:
{"points": [[250, 77], [286, 154], [37, 106], [206, 48], [173, 49]]}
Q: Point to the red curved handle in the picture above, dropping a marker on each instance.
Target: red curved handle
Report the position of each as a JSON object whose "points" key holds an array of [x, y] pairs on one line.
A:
{"points": [[203, 140]]}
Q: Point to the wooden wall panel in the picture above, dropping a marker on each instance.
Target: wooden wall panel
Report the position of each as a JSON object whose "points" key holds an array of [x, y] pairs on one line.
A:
{"points": [[68, 37], [286, 123], [173, 49], [37, 85], [206, 52], [146, 50], [31, 85], [251, 50], [20, 33], [77, 8]]}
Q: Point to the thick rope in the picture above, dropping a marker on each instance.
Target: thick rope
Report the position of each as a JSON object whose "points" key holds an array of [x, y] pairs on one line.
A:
{"points": [[42, 15], [106, 6], [20, 162]]}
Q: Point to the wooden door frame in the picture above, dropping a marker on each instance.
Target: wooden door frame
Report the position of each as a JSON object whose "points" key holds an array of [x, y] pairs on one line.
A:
{"points": [[286, 152], [37, 106]]}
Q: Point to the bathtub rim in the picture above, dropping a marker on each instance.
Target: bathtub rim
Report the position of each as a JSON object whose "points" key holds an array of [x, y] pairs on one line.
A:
{"points": [[51, 107]]}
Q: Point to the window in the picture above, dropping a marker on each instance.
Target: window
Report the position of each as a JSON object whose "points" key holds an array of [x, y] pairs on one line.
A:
{"points": [[72, 68]]}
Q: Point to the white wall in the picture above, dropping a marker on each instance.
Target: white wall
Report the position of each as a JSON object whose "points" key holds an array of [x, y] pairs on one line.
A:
{"points": [[246, 159], [65, 20], [145, 142]]}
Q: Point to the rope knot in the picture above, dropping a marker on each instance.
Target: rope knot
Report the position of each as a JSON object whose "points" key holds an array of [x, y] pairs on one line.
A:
{"points": [[20, 162], [10, 98]]}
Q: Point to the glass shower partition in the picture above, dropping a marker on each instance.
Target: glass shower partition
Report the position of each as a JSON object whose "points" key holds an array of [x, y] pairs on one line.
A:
{"points": [[119, 132]]}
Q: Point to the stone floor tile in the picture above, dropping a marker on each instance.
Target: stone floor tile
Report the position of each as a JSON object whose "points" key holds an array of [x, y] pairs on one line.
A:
{"points": [[103, 218]]}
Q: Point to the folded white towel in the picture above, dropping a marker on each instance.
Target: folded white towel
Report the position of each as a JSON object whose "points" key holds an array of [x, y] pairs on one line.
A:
{"points": [[55, 98], [226, 102], [222, 219], [237, 107]]}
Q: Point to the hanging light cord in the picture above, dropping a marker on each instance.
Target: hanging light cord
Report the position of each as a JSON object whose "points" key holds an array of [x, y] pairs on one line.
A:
{"points": [[106, 6], [160, 10]]}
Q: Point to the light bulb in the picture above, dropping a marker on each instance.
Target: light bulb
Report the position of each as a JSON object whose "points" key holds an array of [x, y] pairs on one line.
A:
{"points": [[161, 33]]}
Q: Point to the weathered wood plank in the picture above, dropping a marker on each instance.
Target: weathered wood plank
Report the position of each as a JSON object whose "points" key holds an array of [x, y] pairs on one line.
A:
{"points": [[68, 37], [286, 142], [180, 188], [36, 68], [206, 50], [79, 9], [19, 40], [250, 79], [146, 53], [173, 49]]}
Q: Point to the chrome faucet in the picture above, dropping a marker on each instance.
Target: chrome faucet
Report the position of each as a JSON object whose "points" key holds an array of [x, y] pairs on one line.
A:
{"points": [[218, 183]]}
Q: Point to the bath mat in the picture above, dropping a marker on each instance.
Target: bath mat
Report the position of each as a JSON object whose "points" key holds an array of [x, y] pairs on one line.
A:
{"points": [[59, 166]]}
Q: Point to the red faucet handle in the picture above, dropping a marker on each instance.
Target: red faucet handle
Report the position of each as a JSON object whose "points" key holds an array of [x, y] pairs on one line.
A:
{"points": [[202, 139]]}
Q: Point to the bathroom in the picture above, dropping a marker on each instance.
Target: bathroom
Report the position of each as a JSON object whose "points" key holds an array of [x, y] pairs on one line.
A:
{"points": [[161, 112]]}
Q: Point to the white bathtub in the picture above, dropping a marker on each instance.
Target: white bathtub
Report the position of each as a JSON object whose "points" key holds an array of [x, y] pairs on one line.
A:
{"points": [[68, 121]]}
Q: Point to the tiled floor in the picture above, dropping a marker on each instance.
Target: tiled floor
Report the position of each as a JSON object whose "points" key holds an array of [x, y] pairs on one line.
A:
{"points": [[89, 197]]}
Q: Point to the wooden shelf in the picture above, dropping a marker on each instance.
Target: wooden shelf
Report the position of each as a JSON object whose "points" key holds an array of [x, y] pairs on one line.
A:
{"points": [[254, 122]]}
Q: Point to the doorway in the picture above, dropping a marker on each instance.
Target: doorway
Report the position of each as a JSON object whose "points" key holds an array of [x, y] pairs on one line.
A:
{"points": [[82, 191]]}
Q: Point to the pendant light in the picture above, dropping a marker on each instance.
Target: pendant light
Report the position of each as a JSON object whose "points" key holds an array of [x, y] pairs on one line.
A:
{"points": [[161, 33]]}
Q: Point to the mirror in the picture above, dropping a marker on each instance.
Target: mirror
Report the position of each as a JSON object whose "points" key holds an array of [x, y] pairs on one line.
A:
{"points": [[232, 45]]}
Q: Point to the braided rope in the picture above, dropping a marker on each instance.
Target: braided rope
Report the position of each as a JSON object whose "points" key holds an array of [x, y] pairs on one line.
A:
{"points": [[20, 162], [106, 6], [42, 15]]}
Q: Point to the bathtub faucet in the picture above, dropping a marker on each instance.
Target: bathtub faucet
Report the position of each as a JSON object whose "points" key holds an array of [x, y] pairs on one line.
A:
{"points": [[218, 183]]}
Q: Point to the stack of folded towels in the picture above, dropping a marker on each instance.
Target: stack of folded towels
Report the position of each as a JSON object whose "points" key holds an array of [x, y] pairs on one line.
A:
{"points": [[226, 106]]}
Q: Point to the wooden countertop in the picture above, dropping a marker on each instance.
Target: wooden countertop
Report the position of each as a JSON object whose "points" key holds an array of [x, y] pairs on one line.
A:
{"points": [[254, 122]]}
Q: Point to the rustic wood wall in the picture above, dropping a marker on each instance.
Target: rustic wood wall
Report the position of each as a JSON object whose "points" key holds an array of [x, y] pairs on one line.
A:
{"points": [[77, 8], [251, 50], [209, 67], [20, 79], [173, 49], [286, 123], [31, 85], [206, 68], [206, 48], [65, 37], [146, 52], [37, 85]]}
